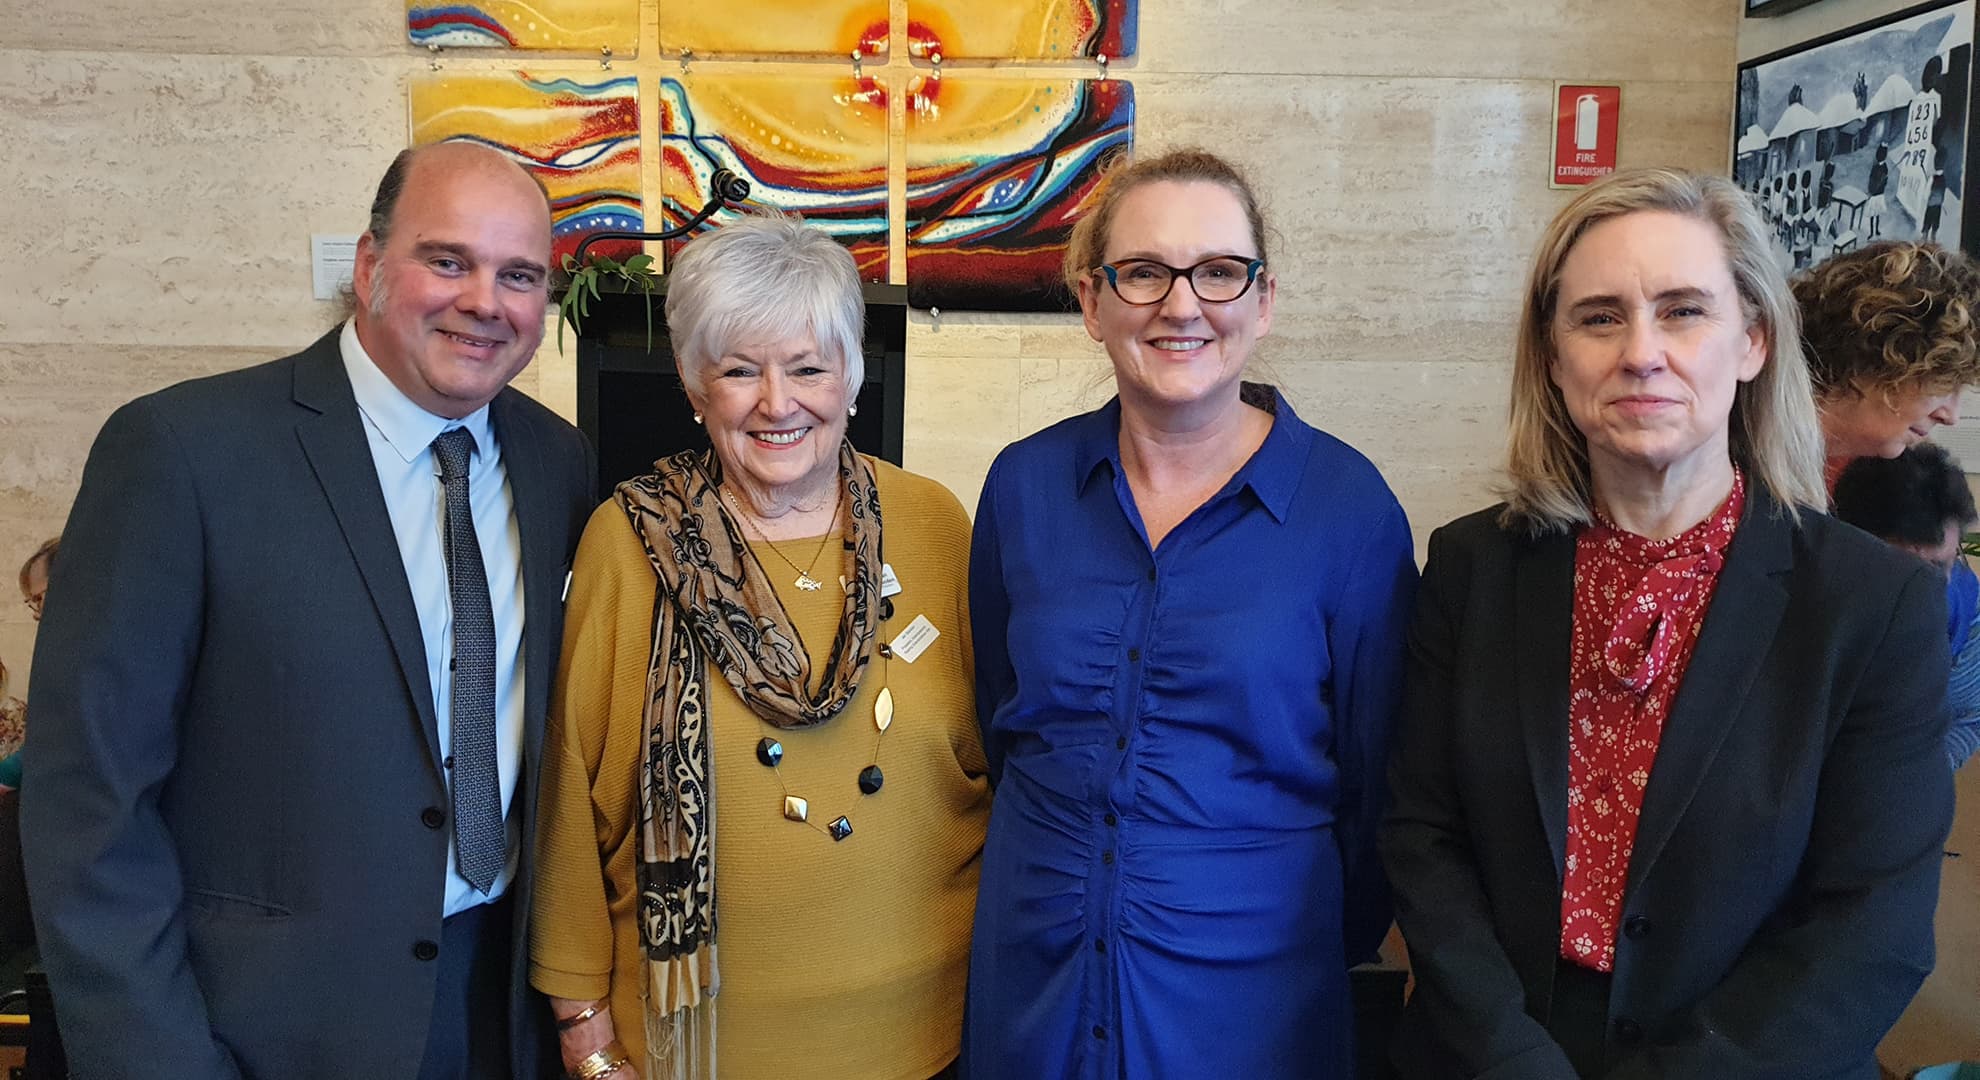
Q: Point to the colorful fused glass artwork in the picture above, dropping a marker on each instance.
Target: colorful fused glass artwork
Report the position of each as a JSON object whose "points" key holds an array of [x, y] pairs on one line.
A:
{"points": [[562, 25], [815, 145], [775, 28], [1021, 29], [997, 171], [580, 139]]}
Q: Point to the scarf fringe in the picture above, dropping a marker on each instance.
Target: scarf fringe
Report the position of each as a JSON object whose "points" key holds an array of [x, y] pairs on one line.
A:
{"points": [[681, 1045]]}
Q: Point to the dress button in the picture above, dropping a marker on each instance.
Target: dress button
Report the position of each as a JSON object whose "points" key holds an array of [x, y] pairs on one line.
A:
{"points": [[1107, 857], [432, 818], [1636, 926], [1099, 946], [1134, 656], [886, 652], [1099, 1032], [1120, 743], [1151, 573], [1628, 1032], [425, 950], [1111, 820], [769, 752]]}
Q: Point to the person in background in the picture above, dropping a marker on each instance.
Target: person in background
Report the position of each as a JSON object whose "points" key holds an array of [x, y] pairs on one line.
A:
{"points": [[1880, 178], [13, 733], [1891, 335], [291, 682], [1189, 611], [1919, 501], [1669, 791], [772, 635], [34, 576]]}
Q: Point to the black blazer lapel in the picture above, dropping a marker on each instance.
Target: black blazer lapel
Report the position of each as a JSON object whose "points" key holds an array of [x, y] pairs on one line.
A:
{"points": [[1739, 629], [540, 514], [1543, 628], [333, 440]]}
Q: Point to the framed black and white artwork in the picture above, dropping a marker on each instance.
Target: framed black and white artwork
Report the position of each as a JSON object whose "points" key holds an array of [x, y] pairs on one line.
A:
{"points": [[1862, 135]]}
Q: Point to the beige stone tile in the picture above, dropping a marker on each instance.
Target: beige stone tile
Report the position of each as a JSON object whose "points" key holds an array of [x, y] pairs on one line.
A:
{"points": [[554, 373], [56, 398], [961, 410], [1403, 212], [1565, 39], [1436, 431], [986, 334], [239, 27], [1057, 335], [169, 200], [1051, 390]]}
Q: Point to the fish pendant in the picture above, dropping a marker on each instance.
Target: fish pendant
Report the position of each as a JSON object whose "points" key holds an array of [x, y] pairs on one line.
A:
{"points": [[809, 583]]}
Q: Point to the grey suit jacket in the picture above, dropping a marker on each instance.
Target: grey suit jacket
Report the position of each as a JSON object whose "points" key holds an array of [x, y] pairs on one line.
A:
{"points": [[234, 747], [1778, 914]]}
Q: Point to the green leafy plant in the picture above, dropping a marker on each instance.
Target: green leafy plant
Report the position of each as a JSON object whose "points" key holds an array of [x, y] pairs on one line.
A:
{"points": [[575, 305]]}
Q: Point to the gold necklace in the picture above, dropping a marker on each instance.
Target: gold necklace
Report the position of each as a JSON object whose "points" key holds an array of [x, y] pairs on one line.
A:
{"points": [[804, 579]]}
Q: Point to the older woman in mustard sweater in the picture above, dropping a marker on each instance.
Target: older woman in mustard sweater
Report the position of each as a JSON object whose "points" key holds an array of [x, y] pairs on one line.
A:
{"points": [[747, 643]]}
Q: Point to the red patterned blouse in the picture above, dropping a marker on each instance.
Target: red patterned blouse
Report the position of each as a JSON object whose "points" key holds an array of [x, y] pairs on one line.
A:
{"points": [[1638, 606]]}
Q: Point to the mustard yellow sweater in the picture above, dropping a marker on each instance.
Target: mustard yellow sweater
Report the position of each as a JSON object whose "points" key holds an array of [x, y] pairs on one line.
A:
{"points": [[843, 959]]}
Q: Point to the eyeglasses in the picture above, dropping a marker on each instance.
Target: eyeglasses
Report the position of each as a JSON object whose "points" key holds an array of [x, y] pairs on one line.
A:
{"points": [[1217, 280]]}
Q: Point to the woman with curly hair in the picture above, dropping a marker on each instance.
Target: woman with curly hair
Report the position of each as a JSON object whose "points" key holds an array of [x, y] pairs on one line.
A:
{"points": [[1892, 335]]}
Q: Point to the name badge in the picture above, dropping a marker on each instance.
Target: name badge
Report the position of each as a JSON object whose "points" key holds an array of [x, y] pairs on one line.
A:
{"points": [[915, 639]]}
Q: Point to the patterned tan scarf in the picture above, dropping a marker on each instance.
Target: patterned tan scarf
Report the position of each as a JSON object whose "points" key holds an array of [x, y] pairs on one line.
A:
{"points": [[715, 604]]}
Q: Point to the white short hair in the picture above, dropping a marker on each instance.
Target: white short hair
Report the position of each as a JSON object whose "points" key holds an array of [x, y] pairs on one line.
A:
{"points": [[764, 276]]}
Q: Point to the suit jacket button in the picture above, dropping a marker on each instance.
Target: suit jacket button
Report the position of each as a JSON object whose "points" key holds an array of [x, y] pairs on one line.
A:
{"points": [[1628, 1032], [1636, 927], [425, 950], [432, 818]]}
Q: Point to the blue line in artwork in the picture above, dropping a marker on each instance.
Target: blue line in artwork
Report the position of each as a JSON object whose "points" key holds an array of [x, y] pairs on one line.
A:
{"points": [[586, 89], [618, 218]]}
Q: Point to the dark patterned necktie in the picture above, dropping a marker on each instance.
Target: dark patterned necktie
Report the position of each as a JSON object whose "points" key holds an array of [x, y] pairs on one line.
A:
{"points": [[478, 833]]}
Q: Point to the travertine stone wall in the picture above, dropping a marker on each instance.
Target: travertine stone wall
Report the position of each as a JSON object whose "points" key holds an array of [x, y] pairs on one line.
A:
{"points": [[166, 162]]}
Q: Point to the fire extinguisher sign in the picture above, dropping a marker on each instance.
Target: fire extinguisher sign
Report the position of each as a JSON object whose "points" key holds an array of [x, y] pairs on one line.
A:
{"points": [[1585, 123]]}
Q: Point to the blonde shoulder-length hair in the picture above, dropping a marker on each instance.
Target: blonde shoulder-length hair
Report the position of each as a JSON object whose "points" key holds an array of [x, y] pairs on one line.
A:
{"points": [[1775, 435]]}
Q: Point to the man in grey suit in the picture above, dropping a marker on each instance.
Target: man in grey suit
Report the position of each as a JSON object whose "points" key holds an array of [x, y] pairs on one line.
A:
{"points": [[290, 690]]}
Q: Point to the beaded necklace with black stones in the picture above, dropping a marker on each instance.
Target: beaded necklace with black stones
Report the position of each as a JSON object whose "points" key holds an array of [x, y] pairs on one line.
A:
{"points": [[770, 751]]}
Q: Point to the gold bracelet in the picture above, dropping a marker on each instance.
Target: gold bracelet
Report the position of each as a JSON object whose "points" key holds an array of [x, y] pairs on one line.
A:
{"points": [[604, 1061], [573, 1020]]}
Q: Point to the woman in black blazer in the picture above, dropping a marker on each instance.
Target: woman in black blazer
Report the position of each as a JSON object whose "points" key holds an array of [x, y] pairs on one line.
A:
{"points": [[1668, 796]]}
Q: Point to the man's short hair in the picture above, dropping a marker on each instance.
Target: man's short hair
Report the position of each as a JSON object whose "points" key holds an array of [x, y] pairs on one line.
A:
{"points": [[1907, 499]]}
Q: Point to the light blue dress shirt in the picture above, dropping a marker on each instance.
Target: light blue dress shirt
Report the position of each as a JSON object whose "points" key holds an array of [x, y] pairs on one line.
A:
{"points": [[400, 434]]}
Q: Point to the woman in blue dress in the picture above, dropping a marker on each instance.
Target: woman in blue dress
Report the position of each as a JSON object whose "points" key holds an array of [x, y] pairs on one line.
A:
{"points": [[1189, 611]]}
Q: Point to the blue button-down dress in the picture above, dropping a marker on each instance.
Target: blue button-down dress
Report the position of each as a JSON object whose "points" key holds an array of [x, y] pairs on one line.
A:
{"points": [[1188, 745]]}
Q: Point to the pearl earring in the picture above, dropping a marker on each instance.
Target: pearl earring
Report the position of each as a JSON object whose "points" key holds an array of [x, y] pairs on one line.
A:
{"points": [[697, 418], [853, 409]]}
